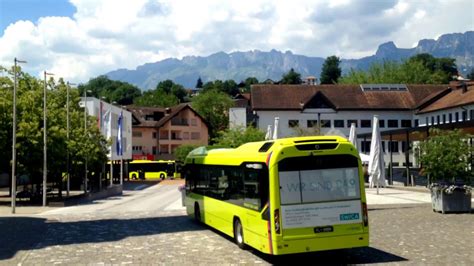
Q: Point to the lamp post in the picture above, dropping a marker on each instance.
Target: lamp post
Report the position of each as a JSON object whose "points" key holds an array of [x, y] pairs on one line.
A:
{"points": [[14, 136], [85, 132], [45, 133], [68, 184]]}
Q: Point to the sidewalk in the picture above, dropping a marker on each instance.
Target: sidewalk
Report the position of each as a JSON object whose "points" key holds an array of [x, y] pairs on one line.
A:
{"points": [[399, 195]]}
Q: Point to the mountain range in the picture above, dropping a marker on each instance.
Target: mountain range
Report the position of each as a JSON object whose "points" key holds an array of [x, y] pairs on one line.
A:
{"points": [[273, 64]]}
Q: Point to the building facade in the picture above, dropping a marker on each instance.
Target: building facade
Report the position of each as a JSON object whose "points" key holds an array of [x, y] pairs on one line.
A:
{"points": [[104, 112], [330, 110], [157, 132]]}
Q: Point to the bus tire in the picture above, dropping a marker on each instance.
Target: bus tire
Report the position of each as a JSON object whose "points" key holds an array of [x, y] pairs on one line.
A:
{"points": [[134, 176], [162, 176], [239, 233], [197, 213]]}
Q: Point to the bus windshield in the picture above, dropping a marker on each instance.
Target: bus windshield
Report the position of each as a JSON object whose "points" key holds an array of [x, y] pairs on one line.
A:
{"points": [[313, 179]]}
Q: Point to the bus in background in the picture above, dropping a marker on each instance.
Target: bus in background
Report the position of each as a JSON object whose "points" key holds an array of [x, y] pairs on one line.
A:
{"points": [[283, 196], [152, 170]]}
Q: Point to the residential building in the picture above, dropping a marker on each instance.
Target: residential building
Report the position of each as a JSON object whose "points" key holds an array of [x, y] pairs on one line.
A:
{"points": [[330, 110], [157, 132]]}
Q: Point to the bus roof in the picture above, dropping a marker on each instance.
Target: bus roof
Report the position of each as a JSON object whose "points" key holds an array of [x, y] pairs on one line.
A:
{"points": [[253, 151], [150, 161]]}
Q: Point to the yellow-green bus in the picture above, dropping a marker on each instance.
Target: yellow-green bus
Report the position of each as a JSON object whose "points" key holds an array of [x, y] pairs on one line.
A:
{"points": [[283, 196], [151, 170]]}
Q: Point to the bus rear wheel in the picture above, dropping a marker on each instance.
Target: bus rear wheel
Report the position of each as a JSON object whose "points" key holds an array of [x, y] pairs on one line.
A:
{"points": [[197, 213], [239, 233]]}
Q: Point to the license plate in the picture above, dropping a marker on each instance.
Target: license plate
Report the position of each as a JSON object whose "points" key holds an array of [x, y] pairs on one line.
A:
{"points": [[324, 229]]}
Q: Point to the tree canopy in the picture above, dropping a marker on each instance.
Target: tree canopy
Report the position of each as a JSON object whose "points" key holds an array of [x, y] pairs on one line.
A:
{"points": [[331, 72], [166, 94], [213, 106], [83, 143], [419, 69], [292, 77], [122, 93], [232, 138]]}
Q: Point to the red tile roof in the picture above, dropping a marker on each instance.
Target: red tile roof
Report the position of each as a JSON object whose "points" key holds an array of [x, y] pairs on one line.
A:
{"points": [[455, 98], [140, 113], [342, 97]]}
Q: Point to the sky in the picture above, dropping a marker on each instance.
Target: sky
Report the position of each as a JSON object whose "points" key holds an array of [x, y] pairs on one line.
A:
{"points": [[81, 39]]}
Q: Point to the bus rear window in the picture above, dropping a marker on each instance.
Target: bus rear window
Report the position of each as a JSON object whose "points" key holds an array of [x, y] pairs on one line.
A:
{"points": [[318, 179]]}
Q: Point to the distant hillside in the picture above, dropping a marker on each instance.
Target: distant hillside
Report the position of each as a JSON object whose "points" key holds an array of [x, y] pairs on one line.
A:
{"points": [[264, 65]]}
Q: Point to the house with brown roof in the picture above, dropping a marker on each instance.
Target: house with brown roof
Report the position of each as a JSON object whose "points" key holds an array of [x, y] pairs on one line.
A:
{"points": [[330, 109], [157, 132]]}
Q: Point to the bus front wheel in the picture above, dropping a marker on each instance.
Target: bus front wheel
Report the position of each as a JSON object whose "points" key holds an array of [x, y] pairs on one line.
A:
{"points": [[197, 213], [239, 233], [134, 176], [162, 176]]}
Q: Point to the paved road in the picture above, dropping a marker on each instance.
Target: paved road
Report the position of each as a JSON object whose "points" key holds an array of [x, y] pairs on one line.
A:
{"points": [[149, 226]]}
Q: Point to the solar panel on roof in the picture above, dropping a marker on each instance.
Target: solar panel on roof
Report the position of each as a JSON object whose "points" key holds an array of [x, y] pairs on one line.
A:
{"points": [[383, 87]]}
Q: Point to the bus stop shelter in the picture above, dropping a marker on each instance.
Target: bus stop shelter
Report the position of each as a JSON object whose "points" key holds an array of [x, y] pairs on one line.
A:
{"points": [[412, 134]]}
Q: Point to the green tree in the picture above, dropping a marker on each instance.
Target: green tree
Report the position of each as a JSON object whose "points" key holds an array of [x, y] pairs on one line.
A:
{"points": [[446, 155], [331, 72], [82, 144], [249, 82], [235, 137], [199, 83], [292, 77], [155, 98], [166, 94], [182, 151], [112, 90], [213, 106], [416, 70]]}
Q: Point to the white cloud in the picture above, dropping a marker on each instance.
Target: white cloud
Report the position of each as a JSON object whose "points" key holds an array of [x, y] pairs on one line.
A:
{"points": [[110, 34]]}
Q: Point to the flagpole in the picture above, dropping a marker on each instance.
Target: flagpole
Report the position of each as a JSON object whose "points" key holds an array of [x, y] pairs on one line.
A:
{"points": [[121, 147]]}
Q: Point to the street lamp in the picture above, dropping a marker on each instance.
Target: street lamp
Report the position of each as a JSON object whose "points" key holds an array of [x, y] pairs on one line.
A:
{"points": [[85, 132], [68, 186], [14, 136], [45, 133]]}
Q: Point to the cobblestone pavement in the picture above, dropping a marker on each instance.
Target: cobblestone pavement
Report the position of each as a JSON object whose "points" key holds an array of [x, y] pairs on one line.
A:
{"points": [[400, 234]]}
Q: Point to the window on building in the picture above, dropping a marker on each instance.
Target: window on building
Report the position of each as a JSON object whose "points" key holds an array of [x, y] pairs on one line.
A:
{"points": [[325, 123], [437, 120], [312, 123], [456, 117], [185, 135], [450, 118], [349, 122], [154, 150], [392, 123], [195, 135], [365, 123], [404, 146], [383, 146], [444, 118], [365, 146], [381, 123], [464, 115], [193, 122], [406, 123], [338, 123], [154, 135], [426, 121], [393, 147], [471, 114], [137, 134], [164, 149], [432, 120], [293, 123], [416, 123]]}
